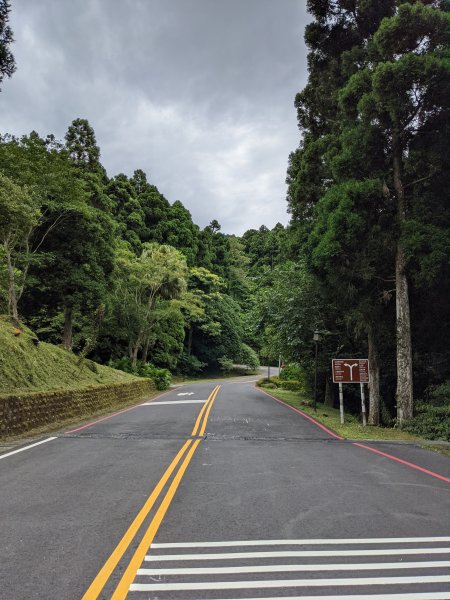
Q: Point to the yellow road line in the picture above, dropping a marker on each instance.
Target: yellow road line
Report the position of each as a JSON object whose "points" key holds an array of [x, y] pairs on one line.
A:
{"points": [[123, 586], [97, 585], [102, 577], [204, 408], [208, 410]]}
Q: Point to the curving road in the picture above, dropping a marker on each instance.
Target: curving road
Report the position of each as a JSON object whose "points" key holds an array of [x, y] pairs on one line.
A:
{"points": [[218, 491]]}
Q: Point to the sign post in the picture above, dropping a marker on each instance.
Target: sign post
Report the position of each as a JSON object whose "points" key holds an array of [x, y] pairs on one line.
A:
{"points": [[341, 403], [351, 370]]}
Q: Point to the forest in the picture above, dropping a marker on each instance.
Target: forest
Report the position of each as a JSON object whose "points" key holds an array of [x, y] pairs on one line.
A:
{"points": [[110, 269]]}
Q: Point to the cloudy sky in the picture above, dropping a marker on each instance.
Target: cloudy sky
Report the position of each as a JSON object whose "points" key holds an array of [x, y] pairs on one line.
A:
{"points": [[197, 93]]}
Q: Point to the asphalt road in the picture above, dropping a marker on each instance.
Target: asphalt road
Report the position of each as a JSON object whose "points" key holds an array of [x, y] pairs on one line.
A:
{"points": [[237, 497]]}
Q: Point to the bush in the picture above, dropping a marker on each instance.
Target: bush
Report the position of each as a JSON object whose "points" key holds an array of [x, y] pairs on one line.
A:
{"points": [[249, 358], [291, 372], [122, 364], [431, 422], [161, 377], [439, 395], [225, 365], [189, 364], [265, 381], [291, 385]]}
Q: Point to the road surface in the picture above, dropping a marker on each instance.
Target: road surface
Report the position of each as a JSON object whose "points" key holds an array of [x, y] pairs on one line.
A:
{"points": [[221, 492]]}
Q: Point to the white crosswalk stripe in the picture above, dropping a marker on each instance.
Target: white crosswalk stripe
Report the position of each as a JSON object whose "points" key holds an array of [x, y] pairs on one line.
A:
{"points": [[374, 569]]}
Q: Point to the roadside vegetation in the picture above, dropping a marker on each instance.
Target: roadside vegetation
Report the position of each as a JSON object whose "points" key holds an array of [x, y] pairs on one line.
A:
{"points": [[110, 270], [27, 367], [432, 421]]}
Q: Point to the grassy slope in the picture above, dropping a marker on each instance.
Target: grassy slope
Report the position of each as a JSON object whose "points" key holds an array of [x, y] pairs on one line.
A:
{"points": [[25, 367], [351, 429]]}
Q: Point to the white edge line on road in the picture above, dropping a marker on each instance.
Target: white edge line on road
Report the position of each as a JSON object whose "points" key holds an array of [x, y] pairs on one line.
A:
{"points": [[295, 553], [27, 447], [407, 596], [293, 568], [241, 585], [302, 542], [174, 402]]}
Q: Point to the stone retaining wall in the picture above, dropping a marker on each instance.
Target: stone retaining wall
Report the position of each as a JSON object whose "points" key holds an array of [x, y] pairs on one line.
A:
{"points": [[24, 412]]}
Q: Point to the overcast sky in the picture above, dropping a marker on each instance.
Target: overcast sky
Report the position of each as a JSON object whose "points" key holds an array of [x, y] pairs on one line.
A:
{"points": [[197, 93]]}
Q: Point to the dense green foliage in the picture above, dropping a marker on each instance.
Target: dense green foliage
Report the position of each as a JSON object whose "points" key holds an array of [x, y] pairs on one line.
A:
{"points": [[364, 258], [107, 267]]}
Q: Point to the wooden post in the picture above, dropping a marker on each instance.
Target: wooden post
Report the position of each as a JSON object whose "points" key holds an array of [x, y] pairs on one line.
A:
{"points": [[363, 405], [341, 403]]}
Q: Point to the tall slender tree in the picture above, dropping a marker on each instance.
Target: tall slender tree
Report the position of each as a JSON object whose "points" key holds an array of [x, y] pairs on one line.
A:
{"points": [[7, 62]]}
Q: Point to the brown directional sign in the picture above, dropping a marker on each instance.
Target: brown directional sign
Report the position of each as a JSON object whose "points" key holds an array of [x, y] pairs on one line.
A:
{"points": [[350, 370]]}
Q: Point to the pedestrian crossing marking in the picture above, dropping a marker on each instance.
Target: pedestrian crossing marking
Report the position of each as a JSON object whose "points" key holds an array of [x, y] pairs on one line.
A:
{"points": [[362, 565], [294, 568], [305, 542], [264, 584]]}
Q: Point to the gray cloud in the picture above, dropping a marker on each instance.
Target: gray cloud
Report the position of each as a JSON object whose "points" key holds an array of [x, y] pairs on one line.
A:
{"points": [[197, 93]]}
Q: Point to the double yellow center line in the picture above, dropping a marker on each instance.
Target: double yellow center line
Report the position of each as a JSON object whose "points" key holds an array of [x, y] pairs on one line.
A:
{"points": [[122, 588]]}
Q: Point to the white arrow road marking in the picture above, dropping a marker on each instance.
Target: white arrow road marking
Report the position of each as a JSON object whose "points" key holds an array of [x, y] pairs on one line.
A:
{"points": [[186, 394]]}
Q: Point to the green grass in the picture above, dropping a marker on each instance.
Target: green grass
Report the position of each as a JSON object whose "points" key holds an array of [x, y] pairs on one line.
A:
{"points": [[25, 367], [351, 429]]}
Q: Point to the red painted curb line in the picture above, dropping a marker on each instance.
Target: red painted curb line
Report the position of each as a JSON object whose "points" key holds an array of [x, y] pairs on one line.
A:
{"points": [[300, 412], [115, 414], [404, 462], [390, 456]]}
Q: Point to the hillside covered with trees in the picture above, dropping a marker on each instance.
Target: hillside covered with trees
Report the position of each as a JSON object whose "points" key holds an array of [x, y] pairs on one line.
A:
{"points": [[108, 268]]}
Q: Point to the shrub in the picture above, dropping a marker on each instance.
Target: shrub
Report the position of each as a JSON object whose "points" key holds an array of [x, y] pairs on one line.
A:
{"points": [[161, 377], [291, 372], [439, 395], [291, 385], [225, 365], [122, 364], [249, 358], [431, 422], [265, 381], [270, 386], [189, 364]]}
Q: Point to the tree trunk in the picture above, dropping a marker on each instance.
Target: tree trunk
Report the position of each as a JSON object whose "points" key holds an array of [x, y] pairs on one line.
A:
{"points": [[145, 349], [67, 337], [134, 350], [134, 355], [189, 343], [374, 380], [12, 294], [404, 394], [329, 396]]}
